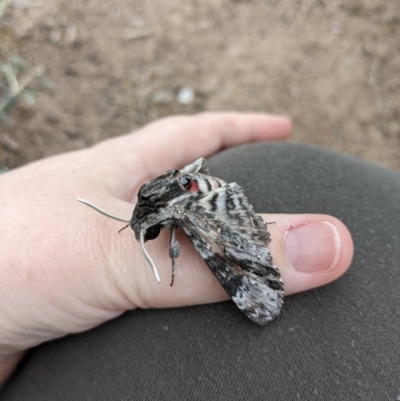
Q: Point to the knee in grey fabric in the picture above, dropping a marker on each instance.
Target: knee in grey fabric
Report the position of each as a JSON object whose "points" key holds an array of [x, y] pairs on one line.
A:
{"points": [[339, 342]]}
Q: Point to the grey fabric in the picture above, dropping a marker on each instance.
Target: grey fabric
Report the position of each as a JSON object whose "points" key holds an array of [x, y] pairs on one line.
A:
{"points": [[339, 342]]}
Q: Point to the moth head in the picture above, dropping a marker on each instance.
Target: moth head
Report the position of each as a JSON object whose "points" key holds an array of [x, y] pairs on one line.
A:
{"points": [[164, 190], [154, 209], [156, 198]]}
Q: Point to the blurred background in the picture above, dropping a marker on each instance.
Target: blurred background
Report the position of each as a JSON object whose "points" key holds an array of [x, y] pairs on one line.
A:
{"points": [[75, 72]]}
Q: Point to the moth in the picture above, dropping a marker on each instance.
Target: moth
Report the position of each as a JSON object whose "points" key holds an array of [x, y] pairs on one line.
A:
{"points": [[222, 226]]}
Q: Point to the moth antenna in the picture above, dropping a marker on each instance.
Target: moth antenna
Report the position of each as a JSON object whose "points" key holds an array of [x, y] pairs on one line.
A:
{"points": [[102, 211], [152, 265]]}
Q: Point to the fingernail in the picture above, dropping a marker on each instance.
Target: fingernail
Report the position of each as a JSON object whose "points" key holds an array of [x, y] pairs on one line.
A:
{"points": [[313, 247]]}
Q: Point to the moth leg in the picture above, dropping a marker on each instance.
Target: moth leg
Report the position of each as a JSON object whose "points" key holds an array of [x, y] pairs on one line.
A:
{"points": [[174, 251]]}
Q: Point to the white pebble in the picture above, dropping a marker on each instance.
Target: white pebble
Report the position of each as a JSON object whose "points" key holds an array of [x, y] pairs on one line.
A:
{"points": [[185, 95]]}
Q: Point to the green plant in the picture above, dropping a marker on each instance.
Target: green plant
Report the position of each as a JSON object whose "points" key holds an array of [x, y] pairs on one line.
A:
{"points": [[16, 76]]}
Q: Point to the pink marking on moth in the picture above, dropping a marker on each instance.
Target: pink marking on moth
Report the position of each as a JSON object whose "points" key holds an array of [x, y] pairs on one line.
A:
{"points": [[194, 187], [214, 184]]}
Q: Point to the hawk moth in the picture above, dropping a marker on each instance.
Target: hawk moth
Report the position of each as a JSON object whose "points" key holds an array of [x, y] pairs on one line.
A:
{"points": [[222, 226]]}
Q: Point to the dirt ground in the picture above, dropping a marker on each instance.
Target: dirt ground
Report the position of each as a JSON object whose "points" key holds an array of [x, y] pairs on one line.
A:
{"points": [[113, 66]]}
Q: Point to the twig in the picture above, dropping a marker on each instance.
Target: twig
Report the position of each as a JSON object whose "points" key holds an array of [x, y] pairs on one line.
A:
{"points": [[373, 78], [131, 34]]}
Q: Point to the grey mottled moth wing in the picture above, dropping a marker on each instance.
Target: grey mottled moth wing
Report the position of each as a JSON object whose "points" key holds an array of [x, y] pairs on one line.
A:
{"points": [[232, 239]]}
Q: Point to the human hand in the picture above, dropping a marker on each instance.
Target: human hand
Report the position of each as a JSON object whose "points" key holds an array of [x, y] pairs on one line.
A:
{"points": [[64, 268]]}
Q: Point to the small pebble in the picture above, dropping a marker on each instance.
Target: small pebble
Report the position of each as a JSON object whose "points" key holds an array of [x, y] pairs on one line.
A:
{"points": [[185, 95]]}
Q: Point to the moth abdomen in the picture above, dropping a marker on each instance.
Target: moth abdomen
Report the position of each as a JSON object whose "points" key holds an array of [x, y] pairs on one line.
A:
{"points": [[213, 201]]}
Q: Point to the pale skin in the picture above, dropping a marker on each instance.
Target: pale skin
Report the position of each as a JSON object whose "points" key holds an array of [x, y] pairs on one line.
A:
{"points": [[65, 269]]}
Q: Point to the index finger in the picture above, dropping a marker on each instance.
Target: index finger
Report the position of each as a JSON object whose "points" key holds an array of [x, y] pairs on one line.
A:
{"points": [[176, 141]]}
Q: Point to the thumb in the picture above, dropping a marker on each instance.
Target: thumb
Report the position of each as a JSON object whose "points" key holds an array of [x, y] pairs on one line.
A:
{"points": [[309, 250]]}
